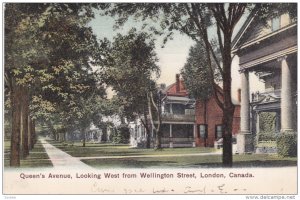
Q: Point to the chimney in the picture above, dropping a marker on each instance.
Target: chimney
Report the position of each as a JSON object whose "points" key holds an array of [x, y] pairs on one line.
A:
{"points": [[177, 83], [239, 95], [162, 86]]}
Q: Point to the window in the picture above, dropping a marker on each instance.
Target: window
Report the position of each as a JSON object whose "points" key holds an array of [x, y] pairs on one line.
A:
{"points": [[219, 130], [275, 23], [203, 130]]}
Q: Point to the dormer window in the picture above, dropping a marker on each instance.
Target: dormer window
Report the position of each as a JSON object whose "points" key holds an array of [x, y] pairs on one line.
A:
{"points": [[275, 23]]}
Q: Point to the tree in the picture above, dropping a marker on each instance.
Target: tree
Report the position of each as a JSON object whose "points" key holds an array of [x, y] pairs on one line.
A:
{"points": [[194, 19], [197, 76], [131, 66], [41, 40]]}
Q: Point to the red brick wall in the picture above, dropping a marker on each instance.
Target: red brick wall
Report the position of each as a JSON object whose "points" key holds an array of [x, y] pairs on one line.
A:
{"points": [[213, 118]]}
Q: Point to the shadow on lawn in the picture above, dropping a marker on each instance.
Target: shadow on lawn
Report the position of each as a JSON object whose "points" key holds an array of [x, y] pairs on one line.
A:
{"points": [[127, 163], [256, 163], [134, 163]]}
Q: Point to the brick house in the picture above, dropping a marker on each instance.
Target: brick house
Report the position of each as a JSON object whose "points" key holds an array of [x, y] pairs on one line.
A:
{"points": [[178, 116], [183, 121], [208, 116]]}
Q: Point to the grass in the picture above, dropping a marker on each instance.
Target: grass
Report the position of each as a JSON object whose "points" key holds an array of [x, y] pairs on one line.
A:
{"points": [[37, 157], [102, 150], [92, 150], [254, 160]]}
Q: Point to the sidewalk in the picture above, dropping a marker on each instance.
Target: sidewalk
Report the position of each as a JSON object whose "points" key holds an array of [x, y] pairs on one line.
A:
{"points": [[151, 156], [61, 159]]}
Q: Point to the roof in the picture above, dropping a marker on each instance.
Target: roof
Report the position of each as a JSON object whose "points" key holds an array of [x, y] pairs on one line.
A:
{"points": [[242, 30], [172, 91], [185, 100]]}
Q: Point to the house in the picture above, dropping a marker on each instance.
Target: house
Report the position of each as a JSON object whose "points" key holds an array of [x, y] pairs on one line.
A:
{"points": [[178, 116], [209, 121], [269, 52], [185, 123]]}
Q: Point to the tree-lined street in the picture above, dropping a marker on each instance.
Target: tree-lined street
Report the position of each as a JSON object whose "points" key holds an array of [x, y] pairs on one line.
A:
{"points": [[58, 72]]}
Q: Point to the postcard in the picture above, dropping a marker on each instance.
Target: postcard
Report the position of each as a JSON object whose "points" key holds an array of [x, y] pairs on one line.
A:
{"points": [[150, 99]]}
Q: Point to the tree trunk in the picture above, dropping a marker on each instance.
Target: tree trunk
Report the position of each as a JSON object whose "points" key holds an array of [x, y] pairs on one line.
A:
{"points": [[156, 130], [228, 110], [84, 138], [29, 132], [158, 140], [148, 134], [33, 136], [25, 111], [16, 123]]}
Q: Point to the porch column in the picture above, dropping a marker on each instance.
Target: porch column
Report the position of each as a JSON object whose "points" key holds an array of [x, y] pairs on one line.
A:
{"points": [[171, 136], [195, 135], [286, 96], [244, 138], [257, 123]]}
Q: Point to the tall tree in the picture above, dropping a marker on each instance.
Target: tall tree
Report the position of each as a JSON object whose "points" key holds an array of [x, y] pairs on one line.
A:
{"points": [[41, 40], [130, 69], [197, 78], [194, 20]]}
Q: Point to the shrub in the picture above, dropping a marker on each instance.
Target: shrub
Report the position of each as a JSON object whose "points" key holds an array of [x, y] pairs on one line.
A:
{"points": [[121, 135], [287, 144], [266, 136]]}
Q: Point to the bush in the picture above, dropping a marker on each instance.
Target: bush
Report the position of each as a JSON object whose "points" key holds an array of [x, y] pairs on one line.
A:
{"points": [[266, 136], [287, 144], [121, 135]]}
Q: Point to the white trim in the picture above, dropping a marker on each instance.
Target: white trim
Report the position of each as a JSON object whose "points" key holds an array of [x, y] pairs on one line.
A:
{"points": [[264, 37], [169, 122], [242, 33], [269, 57]]}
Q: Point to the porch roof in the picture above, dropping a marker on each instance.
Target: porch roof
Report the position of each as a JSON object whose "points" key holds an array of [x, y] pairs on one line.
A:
{"points": [[177, 99]]}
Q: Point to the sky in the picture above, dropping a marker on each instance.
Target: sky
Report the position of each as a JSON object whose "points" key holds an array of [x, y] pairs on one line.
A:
{"points": [[174, 54]]}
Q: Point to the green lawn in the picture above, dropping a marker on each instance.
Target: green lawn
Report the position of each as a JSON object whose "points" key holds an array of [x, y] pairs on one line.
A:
{"points": [[92, 150], [255, 160], [37, 157]]}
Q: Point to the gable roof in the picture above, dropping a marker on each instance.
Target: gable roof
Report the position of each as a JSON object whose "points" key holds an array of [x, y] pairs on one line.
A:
{"points": [[255, 31], [241, 32], [172, 91]]}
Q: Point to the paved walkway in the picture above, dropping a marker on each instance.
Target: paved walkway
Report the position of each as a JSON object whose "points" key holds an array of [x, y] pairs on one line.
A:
{"points": [[61, 159], [151, 156]]}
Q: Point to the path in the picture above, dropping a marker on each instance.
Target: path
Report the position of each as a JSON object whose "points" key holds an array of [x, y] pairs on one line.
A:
{"points": [[61, 159], [151, 156]]}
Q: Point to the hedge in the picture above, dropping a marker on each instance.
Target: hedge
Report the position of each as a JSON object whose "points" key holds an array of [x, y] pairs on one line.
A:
{"points": [[122, 135], [287, 144]]}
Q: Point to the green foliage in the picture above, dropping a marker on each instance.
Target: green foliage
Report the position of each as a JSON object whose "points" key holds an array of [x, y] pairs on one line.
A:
{"points": [[265, 11], [131, 65], [267, 122], [287, 144], [196, 73], [50, 48], [121, 135], [266, 136]]}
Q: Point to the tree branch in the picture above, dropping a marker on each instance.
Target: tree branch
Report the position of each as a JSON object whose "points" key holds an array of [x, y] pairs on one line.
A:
{"points": [[144, 124]]}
